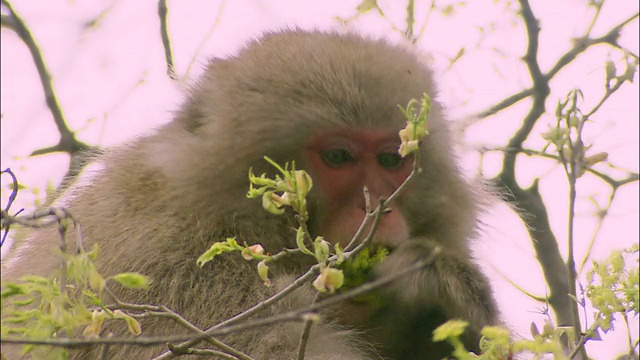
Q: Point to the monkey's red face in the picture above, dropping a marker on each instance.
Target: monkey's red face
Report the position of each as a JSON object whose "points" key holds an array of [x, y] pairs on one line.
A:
{"points": [[342, 164]]}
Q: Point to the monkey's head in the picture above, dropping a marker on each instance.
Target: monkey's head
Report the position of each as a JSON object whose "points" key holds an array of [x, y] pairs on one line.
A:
{"points": [[330, 102]]}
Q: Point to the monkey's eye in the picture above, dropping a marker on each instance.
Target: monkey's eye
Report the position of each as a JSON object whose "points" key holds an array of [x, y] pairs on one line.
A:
{"points": [[389, 160], [337, 157]]}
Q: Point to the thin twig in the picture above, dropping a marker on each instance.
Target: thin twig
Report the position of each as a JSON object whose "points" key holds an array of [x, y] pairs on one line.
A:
{"points": [[296, 315], [163, 14]]}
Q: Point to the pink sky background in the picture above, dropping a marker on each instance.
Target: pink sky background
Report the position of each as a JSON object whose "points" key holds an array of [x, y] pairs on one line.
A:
{"points": [[112, 84]]}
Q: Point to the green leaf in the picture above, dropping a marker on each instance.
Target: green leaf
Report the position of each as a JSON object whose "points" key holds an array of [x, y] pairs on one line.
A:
{"points": [[132, 280], [11, 289], [367, 5], [218, 248]]}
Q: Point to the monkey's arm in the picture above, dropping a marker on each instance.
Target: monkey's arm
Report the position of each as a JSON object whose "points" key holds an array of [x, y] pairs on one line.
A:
{"points": [[449, 287], [451, 281]]}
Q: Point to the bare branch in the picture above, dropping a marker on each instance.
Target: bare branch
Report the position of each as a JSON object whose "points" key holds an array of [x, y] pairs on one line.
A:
{"points": [[68, 142]]}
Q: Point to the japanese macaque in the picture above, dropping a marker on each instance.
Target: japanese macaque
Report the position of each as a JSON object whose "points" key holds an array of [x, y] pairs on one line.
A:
{"points": [[329, 102]]}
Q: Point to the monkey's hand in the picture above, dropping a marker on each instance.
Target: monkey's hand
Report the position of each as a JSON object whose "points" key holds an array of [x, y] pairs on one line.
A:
{"points": [[450, 283]]}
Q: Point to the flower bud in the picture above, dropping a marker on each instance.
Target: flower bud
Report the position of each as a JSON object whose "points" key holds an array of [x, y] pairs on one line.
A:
{"points": [[263, 272], [248, 253], [270, 205], [321, 247], [330, 280], [303, 182]]}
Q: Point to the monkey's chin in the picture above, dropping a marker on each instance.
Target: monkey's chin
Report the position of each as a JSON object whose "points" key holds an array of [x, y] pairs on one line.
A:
{"points": [[389, 237], [391, 231], [383, 242], [379, 241]]}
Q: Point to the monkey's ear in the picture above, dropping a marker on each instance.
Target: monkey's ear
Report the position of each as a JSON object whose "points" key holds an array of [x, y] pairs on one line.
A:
{"points": [[190, 117]]}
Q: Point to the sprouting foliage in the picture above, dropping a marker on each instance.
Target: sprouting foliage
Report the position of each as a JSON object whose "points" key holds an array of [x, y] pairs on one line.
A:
{"points": [[41, 307], [613, 290], [613, 287], [416, 128]]}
